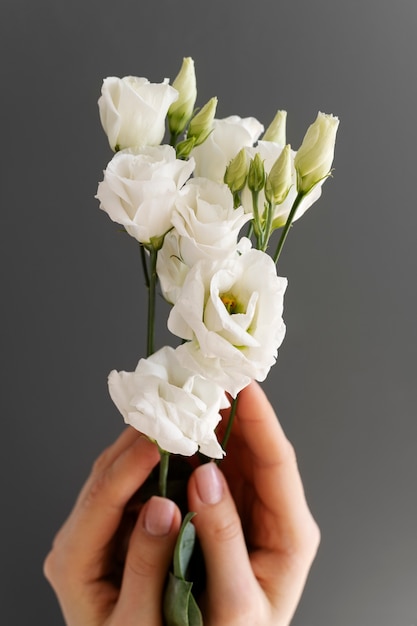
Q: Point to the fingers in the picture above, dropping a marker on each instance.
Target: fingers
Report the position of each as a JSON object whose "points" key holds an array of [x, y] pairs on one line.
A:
{"points": [[80, 545], [231, 586], [275, 474], [149, 555]]}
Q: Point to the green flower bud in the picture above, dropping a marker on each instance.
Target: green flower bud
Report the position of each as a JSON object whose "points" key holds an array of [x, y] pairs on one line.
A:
{"points": [[183, 148], [237, 172], [279, 180], [314, 159], [181, 110], [276, 131], [256, 174], [201, 124]]}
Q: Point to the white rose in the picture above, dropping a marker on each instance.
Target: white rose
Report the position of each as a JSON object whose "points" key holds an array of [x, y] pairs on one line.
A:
{"points": [[133, 111], [228, 137], [231, 314], [269, 152], [171, 405], [140, 188]]}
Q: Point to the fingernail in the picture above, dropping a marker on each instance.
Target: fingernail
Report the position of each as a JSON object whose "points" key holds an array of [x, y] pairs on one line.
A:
{"points": [[159, 514], [209, 483]]}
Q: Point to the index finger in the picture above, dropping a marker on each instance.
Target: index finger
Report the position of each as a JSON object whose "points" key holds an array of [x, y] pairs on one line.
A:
{"points": [[274, 470], [97, 513]]}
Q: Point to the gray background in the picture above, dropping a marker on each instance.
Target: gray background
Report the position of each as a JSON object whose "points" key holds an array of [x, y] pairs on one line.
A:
{"points": [[72, 303]]}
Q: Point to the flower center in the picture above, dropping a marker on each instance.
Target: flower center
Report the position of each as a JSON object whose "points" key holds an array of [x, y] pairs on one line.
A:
{"points": [[231, 303]]}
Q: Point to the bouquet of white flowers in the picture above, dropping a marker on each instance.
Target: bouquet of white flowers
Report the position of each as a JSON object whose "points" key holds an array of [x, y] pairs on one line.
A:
{"points": [[186, 204]]}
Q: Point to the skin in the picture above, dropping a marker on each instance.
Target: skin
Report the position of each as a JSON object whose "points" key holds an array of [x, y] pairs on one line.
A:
{"points": [[257, 534]]}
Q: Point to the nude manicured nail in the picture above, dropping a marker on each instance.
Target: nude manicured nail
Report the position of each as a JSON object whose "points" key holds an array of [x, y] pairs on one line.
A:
{"points": [[209, 483], [158, 518]]}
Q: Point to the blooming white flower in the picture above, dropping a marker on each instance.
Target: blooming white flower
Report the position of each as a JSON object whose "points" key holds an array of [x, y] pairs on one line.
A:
{"points": [[206, 220], [314, 158], [206, 226], [231, 314], [140, 188], [133, 111], [228, 137], [269, 152], [171, 405]]}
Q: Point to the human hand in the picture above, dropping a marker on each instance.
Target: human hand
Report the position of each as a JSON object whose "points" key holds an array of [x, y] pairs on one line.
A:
{"points": [[256, 531], [108, 565], [257, 534]]}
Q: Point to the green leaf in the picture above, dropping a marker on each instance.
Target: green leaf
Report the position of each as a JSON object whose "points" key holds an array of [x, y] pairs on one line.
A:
{"points": [[180, 607], [184, 547]]}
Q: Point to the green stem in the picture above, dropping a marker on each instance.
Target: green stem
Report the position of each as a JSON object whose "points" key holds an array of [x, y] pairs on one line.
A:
{"points": [[256, 219], [229, 426], [173, 139], [163, 472], [287, 226], [250, 230], [153, 278], [268, 225], [144, 264]]}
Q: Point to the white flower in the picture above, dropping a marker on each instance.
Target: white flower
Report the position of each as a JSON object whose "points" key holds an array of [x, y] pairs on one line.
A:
{"points": [[231, 314], [140, 188], [171, 405], [170, 267], [269, 152], [206, 220], [133, 111], [206, 226], [228, 137], [314, 158]]}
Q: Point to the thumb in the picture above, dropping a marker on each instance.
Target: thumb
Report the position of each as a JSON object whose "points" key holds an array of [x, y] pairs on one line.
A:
{"points": [[147, 562], [230, 580]]}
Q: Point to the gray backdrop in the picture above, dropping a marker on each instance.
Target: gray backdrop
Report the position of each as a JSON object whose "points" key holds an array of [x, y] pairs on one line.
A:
{"points": [[72, 302]]}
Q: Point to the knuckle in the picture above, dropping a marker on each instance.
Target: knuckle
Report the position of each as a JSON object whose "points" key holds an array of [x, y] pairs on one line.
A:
{"points": [[306, 541], [49, 567], [227, 530], [98, 485], [314, 536], [141, 566], [289, 454], [56, 567], [102, 461]]}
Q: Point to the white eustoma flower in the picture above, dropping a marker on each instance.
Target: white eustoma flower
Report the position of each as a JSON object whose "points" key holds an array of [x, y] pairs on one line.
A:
{"points": [[171, 405], [231, 314], [133, 111], [206, 220], [228, 137], [269, 152], [140, 188], [206, 226]]}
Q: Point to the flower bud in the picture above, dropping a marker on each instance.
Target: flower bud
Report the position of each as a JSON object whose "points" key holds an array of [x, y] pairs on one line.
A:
{"points": [[279, 179], [314, 159], [276, 131], [256, 174], [237, 172], [181, 111], [201, 124]]}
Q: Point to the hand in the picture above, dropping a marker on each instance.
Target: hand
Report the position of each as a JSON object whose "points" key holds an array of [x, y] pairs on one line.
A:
{"points": [[103, 538], [108, 564], [257, 533]]}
